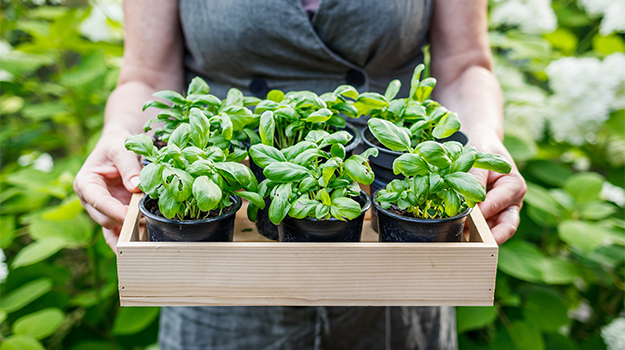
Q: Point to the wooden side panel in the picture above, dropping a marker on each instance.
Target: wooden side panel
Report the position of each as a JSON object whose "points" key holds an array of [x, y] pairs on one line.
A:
{"points": [[306, 274]]}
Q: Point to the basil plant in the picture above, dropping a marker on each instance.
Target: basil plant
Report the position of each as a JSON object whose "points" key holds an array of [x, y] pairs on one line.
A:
{"points": [[190, 177], [304, 180], [232, 115], [284, 120], [422, 118], [437, 183]]}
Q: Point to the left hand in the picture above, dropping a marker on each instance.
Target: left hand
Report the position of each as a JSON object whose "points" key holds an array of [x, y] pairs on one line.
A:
{"points": [[504, 192]]}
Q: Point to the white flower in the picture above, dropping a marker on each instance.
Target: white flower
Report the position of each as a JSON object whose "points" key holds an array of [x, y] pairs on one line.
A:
{"points": [[612, 11], [585, 90], [613, 194], [42, 162], [614, 334], [531, 16], [582, 313], [4, 271], [96, 26]]}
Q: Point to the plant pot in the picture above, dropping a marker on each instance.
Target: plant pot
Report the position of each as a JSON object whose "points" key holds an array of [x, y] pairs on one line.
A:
{"points": [[397, 228], [263, 224], [215, 229], [331, 230], [382, 165]]}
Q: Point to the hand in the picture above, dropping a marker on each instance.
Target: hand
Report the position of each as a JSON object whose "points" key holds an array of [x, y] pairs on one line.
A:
{"points": [[504, 192], [105, 182]]}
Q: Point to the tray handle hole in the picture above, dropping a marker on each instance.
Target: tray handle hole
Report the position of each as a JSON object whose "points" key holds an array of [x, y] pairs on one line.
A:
{"points": [[492, 255]]}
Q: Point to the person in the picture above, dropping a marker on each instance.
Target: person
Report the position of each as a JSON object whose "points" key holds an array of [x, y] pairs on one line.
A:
{"points": [[301, 45]]}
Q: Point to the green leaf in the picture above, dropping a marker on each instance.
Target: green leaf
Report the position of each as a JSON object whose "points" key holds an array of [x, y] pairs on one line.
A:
{"points": [[170, 96], [584, 187], [452, 203], [425, 89], [549, 172], [342, 137], [236, 173], [285, 172], [546, 311], [582, 235], [421, 187], [346, 91], [321, 115], [469, 318], [389, 135], [521, 148], [410, 164], [358, 169], [345, 108], [150, 177], [345, 208], [434, 153], [522, 260], [525, 336], [372, 99], [392, 90], [38, 251], [337, 150], [464, 163], [206, 193], [280, 205], [7, 231], [40, 324], [168, 206], [307, 156], [234, 97], [198, 87], [558, 271], [294, 151], [155, 104], [264, 155], [266, 128], [447, 126], [542, 199], [414, 81], [254, 198], [302, 207], [275, 95], [226, 126], [316, 136], [132, 320], [597, 210], [493, 162], [20, 342], [140, 144], [76, 232], [178, 183], [466, 185], [25, 294]]}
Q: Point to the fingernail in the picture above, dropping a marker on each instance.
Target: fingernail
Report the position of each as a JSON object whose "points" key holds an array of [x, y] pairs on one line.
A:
{"points": [[134, 181]]}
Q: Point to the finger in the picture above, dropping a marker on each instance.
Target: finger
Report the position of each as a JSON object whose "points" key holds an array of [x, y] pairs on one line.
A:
{"points": [[129, 168], [101, 219], [92, 190], [111, 236], [507, 190], [507, 224], [481, 175]]}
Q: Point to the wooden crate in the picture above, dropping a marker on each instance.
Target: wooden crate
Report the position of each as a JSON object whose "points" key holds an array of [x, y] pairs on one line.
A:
{"points": [[253, 270]]}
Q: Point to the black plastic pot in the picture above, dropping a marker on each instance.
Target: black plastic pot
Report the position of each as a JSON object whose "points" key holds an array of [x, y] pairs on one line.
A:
{"points": [[331, 230], [216, 229], [263, 224], [397, 228]]}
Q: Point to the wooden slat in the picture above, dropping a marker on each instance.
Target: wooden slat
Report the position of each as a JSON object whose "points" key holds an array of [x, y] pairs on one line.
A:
{"points": [[130, 228]]}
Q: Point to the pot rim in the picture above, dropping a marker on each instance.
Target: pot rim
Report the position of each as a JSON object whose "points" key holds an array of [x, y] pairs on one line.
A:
{"points": [[237, 205], [356, 141], [416, 220], [363, 210]]}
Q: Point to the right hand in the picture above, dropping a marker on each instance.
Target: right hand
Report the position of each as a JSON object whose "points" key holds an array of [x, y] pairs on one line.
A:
{"points": [[105, 182]]}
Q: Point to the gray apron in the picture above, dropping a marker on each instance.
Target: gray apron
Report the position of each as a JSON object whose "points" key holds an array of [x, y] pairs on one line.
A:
{"points": [[259, 45]]}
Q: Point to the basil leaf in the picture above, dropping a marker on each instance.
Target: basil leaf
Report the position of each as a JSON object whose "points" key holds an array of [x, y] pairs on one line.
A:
{"points": [[494, 162], [250, 101], [266, 105], [358, 169], [192, 154], [370, 152], [338, 150], [307, 184], [150, 177], [234, 97], [170, 96], [434, 153], [345, 108], [421, 186], [206, 193], [284, 172], [425, 89], [226, 126], [267, 128], [392, 89], [345, 208], [322, 211], [307, 156], [264, 155], [410, 165], [346, 91], [239, 116], [321, 115], [447, 126], [436, 183], [467, 186], [235, 173], [167, 205], [155, 104], [372, 99], [452, 203], [280, 205], [302, 207], [200, 167], [397, 107], [292, 152], [141, 144], [389, 135], [414, 82], [414, 110], [336, 121], [253, 197], [178, 183], [236, 156], [464, 163], [342, 137], [198, 86], [316, 136], [275, 96], [180, 136]]}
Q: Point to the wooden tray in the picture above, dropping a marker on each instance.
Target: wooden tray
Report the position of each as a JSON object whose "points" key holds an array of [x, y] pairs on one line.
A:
{"points": [[253, 270]]}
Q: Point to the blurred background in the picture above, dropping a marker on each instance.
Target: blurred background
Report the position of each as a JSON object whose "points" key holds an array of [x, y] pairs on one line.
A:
{"points": [[560, 283]]}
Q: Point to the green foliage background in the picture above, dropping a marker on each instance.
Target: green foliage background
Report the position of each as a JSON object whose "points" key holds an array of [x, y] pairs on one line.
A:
{"points": [[560, 279]]}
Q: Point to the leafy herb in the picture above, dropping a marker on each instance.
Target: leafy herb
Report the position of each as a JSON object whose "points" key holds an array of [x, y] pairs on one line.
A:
{"points": [[305, 181], [284, 120], [437, 183], [229, 118], [189, 176], [421, 118]]}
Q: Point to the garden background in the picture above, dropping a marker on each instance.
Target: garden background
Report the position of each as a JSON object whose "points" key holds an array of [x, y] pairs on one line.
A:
{"points": [[560, 283]]}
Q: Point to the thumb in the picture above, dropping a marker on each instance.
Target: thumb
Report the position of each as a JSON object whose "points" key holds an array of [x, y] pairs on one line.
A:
{"points": [[129, 168]]}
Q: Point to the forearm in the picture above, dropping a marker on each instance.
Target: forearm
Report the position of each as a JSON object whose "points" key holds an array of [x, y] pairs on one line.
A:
{"points": [[476, 96]]}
